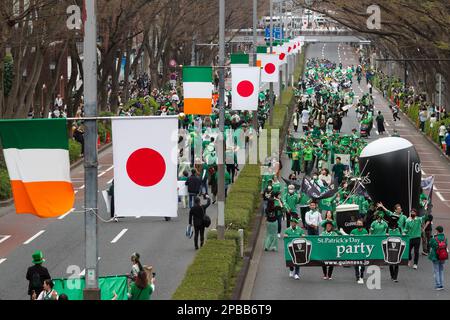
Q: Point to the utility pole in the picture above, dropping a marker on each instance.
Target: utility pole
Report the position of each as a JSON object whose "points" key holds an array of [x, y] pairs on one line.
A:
{"points": [[271, 52], [255, 17], [91, 291], [194, 38], [221, 144]]}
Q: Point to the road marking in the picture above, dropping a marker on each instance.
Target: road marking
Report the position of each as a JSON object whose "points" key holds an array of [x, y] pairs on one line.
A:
{"points": [[119, 236], [82, 187], [66, 214], [4, 238], [110, 181], [2, 260], [109, 169], [102, 174], [34, 237], [440, 196], [387, 123], [76, 191]]}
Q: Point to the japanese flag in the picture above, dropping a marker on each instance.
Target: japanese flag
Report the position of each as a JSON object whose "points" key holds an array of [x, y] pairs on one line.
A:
{"points": [[245, 84], [145, 166], [269, 68], [281, 53]]}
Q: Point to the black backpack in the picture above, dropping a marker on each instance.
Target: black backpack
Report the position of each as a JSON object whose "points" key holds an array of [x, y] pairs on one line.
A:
{"points": [[206, 219], [36, 280]]}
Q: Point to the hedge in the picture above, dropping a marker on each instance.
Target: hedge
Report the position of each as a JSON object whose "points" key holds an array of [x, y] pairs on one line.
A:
{"points": [[74, 151], [5, 185], [209, 276]]}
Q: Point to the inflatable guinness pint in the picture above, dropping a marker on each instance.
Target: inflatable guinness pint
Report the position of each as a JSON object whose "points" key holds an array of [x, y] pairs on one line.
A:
{"points": [[391, 173]]}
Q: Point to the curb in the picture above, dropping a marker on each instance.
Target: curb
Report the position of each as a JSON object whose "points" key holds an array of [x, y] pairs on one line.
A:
{"points": [[76, 164]]}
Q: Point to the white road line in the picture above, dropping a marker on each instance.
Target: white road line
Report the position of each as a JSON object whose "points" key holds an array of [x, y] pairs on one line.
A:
{"points": [[388, 124], [109, 169], [4, 238], [119, 236], [34, 237], [110, 181], [440, 196], [138, 217], [82, 187], [76, 191], [66, 214], [102, 174], [2, 260]]}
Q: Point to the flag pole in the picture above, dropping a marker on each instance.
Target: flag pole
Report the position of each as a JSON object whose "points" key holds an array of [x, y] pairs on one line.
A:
{"points": [[221, 142], [91, 291], [271, 51], [255, 17]]}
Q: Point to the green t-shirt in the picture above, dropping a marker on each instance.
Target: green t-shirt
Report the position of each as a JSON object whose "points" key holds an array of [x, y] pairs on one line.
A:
{"points": [[413, 228], [331, 233], [378, 227], [395, 232], [307, 154], [136, 293], [298, 232], [356, 232]]}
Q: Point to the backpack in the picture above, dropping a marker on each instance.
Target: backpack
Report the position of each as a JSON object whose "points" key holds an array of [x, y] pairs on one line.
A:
{"points": [[36, 280], [206, 219], [441, 250]]}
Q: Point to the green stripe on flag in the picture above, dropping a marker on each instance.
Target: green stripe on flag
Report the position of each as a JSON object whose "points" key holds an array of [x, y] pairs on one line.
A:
{"points": [[240, 58], [34, 134], [261, 49], [197, 74]]}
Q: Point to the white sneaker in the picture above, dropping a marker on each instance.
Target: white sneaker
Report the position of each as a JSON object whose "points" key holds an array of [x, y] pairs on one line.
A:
{"points": [[296, 277], [279, 236], [291, 274], [415, 266], [360, 281]]}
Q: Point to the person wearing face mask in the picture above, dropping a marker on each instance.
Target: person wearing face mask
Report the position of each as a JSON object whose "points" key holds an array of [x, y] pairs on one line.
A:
{"points": [[359, 231], [291, 199], [294, 231], [379, 226], [266, 194], [329, 231], [271, 241], [394, 230], [396, 215], [413, 229], [279, 210]]}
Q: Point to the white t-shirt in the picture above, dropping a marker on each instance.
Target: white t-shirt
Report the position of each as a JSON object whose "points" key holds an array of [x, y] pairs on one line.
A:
{"points": [[442, 131], [47, 296], [313, 218], [305, 116]]}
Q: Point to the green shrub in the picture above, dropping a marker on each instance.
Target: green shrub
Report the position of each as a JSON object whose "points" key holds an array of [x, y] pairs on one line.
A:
{"points": [[74, 151], [5, 185]]}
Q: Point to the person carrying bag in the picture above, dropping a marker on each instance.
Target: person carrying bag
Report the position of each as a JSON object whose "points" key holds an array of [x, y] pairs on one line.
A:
{"points": [[199, 219]]}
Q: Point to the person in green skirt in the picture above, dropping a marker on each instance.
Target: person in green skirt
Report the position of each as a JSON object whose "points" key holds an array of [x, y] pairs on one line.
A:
{"points": [[294, 231], [271, 241]]}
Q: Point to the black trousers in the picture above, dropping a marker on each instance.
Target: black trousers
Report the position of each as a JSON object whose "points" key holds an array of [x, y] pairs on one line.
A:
{"points": [[393, 269], [414, 244], [303, 211], [359, 272], [279, 219], [327, 271], [199, 231]]}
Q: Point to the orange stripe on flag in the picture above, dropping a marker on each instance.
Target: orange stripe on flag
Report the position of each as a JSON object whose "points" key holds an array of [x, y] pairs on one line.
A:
{"points": [[47, 199], [199, 106], [258, 63]]}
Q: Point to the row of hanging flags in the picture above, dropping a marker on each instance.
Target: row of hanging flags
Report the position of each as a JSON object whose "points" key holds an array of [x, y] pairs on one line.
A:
{"points": [[36, 151], [246, 80]]}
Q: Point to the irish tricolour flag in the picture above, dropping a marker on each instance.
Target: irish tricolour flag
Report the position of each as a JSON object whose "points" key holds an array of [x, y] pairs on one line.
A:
{"points": [[37, 157], [197, 86]]}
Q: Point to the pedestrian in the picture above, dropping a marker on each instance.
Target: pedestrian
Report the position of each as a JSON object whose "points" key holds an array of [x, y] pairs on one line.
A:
{"points": [[394, 230], [305, 119], [413, 229], [380, 123], [442, 131], [447, 142], [291, 200], [427, 229], [295, 119], [422, 119], [325, 177], [395, 112], [111, 194], [48, 293], [194, 184], [271, 241], [329, 231], [359, 231], [294, 231], [136, 266], [141, 289], [438, 255], [196, 216], [36, 275], [313, 219]]}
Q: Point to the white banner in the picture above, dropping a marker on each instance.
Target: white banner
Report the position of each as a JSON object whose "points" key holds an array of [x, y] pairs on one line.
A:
{"points": [[145, 166]]}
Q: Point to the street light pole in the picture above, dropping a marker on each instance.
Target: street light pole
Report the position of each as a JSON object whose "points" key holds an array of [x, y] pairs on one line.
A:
{"points": [[221, 144], [271, 52], [255, 17], [91, 292]]}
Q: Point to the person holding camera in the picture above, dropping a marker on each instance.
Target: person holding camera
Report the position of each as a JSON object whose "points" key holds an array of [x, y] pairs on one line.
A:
{"points": [[196, 215]]}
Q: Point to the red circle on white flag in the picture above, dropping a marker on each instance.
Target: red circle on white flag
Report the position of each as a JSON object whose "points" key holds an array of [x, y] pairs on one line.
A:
{"points": [[146, 167], [282, 55], [269, 68], [245, 88], [290, 49]]}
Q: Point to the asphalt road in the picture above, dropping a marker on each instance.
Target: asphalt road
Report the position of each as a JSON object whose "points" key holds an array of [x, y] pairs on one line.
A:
{"points": [[272, 280], [161, 244]]}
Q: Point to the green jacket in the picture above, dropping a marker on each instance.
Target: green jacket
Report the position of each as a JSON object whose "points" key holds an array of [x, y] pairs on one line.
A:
{"points": [[413, 228], [298, 232], [331, 233], [356, 232], [378, 227], [291, 201], [433, 245], [401, 219]]}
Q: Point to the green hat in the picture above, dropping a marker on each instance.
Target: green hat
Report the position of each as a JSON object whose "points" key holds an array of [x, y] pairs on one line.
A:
{"points": [[38, 257], [325, 222], [439, 229], [295, 220]]}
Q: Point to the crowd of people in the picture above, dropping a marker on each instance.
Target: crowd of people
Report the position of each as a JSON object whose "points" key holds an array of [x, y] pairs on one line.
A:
{"points": [[323, 98]]}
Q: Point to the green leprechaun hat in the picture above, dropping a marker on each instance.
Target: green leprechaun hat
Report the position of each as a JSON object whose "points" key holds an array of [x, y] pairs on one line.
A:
{"points": [[38, 257]]}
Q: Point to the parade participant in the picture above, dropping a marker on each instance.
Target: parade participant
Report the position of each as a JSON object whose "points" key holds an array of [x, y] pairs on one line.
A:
{"points": [[380, 123], [279, 210], [426, 234], [305, 119], [271, 241], [396, 215], [294, 231], [196, 216], [141, 289], [313, 219], [379, 226], [394, 230], [438, 255], [329, 231], [413, 229], [296, 161], [325, 177], [296, 119], [308, 158], [48, 293], [359, 231], [329, 217], [291, 199], [338, 170]]}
